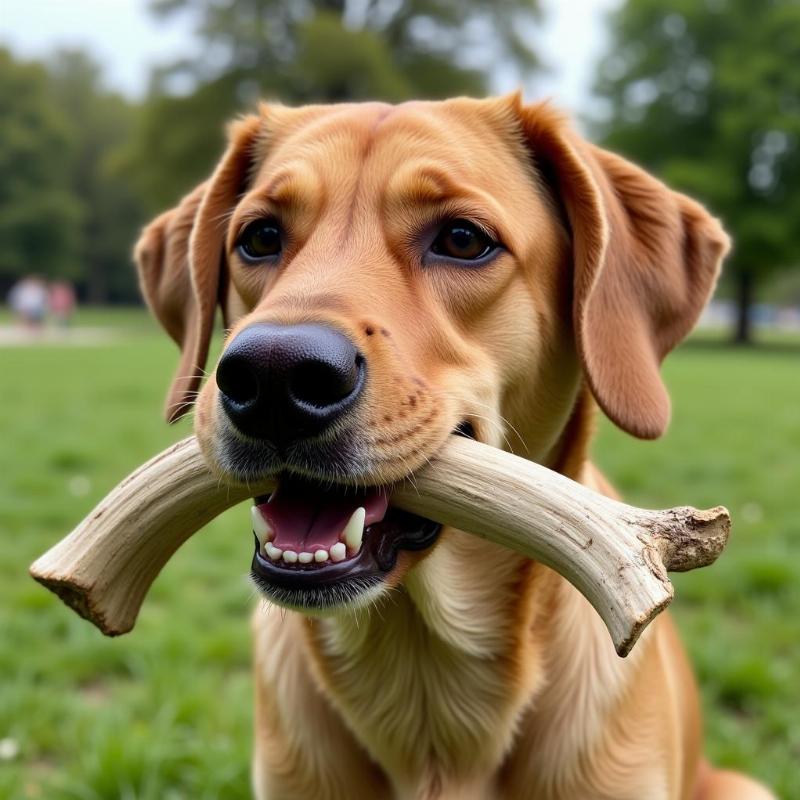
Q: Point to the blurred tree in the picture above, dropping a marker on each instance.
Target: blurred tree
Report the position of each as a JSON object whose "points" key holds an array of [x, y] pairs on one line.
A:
{"points": [[39, 214], [707, 93], [102, 123], [65, 209], [319, 50], [269, 44]]}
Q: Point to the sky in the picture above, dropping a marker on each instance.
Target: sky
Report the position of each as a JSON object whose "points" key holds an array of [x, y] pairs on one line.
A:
{"points": [[128, 41]]}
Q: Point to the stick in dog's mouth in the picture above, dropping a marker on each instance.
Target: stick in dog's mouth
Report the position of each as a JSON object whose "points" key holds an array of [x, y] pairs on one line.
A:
{"points": [[616, 555]]}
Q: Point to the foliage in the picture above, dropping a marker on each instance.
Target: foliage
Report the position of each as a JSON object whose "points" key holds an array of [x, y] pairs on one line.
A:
{"points": [[39, 215], [705, 94], [265, 44], [102, 123], [320, 51], [65, 211], [166, 711]]}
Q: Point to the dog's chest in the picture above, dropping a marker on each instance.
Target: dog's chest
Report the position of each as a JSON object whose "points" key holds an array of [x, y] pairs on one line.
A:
{"points": [[432, 686], [412, 702]]}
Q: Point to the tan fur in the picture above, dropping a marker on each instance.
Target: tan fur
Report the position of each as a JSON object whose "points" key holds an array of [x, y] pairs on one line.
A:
{"points": [[472, 674]]}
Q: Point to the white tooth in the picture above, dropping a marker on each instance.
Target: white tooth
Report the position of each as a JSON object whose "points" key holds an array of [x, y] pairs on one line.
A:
{"points": [[354, 530], [338, 552], [305, 558], [261, 528], [273, 552], [289, 556], [321, 555]]}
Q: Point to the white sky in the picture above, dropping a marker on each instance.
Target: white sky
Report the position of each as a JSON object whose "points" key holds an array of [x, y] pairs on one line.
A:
{"points": [[127, 40]]}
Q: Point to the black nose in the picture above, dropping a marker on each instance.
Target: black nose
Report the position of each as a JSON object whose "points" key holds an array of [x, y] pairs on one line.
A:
{"points": [[288, 382]]}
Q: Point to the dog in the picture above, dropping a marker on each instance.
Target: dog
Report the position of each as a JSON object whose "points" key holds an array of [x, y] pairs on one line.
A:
{"points": [[389, 276]]}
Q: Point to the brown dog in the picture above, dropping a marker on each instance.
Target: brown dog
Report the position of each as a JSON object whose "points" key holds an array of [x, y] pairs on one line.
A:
{"points": [[389, 276]]}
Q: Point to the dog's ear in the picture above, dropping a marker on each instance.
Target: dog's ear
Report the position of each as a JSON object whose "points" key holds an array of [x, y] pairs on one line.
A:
{"points": [[179, 258], [646, 260]]}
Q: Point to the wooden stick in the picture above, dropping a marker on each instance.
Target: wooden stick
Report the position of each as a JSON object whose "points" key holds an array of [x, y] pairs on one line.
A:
{"points": [[616, 555]]}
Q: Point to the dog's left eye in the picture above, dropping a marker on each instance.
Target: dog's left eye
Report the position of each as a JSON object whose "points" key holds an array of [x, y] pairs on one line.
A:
{"points": [[464, 241], [260, 240]]}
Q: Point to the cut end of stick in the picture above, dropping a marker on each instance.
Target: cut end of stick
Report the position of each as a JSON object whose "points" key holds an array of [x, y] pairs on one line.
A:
{"points": [[79, 598], [624, 645]]}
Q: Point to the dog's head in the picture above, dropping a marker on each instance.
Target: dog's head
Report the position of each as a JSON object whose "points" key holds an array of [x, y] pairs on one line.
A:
{"points": [[391, 275]]}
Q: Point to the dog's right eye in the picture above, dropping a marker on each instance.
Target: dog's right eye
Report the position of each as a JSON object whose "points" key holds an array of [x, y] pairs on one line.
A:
{"points": [[462, 240], [260, 240]]}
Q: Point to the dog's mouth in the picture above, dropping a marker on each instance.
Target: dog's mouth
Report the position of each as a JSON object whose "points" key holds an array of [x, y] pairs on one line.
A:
{"points": [[318, 547]]}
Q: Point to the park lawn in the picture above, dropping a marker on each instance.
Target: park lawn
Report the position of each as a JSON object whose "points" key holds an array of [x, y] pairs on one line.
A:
{"points": [[165, 712]]}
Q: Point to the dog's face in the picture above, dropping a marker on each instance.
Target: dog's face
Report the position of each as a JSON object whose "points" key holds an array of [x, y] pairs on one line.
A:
{"points": [[392, 275]]}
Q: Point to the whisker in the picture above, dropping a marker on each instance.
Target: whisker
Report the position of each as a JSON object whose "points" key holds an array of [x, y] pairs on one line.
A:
{"points": [[201, 373]]}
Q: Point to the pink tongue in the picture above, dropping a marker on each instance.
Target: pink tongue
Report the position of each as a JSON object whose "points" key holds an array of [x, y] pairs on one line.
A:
{"points": [[308, 518]]}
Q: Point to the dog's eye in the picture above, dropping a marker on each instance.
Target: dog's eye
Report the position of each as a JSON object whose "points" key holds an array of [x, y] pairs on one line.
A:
{"points": [[463, 240], [260, 239]]}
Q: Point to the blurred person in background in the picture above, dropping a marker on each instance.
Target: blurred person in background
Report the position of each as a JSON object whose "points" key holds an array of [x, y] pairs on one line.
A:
{"points": [[28, 301], [61, 302]]}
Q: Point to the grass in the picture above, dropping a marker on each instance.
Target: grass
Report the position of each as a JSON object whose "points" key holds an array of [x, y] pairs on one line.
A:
{"points": [[165, 713]]}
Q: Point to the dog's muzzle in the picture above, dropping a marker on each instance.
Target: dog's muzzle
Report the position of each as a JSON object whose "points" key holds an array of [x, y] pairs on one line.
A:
{"points": [[318, 544]]}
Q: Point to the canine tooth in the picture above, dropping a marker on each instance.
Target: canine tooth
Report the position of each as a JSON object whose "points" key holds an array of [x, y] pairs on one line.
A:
{"points": [[289, 556], [321, 555], [338, 552], [305, 558], [261, 528], [354, 530], [273, 552]]}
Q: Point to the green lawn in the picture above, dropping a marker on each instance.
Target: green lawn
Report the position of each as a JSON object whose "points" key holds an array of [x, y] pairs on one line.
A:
{"points": [[165, 713]]}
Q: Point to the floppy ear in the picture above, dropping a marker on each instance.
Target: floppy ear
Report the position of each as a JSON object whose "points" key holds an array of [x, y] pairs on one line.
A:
{"points": [[179, 258], [646, 260]]}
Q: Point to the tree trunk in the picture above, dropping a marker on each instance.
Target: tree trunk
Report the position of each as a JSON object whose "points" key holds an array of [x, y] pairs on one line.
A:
{"points": [[743, 333]]}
